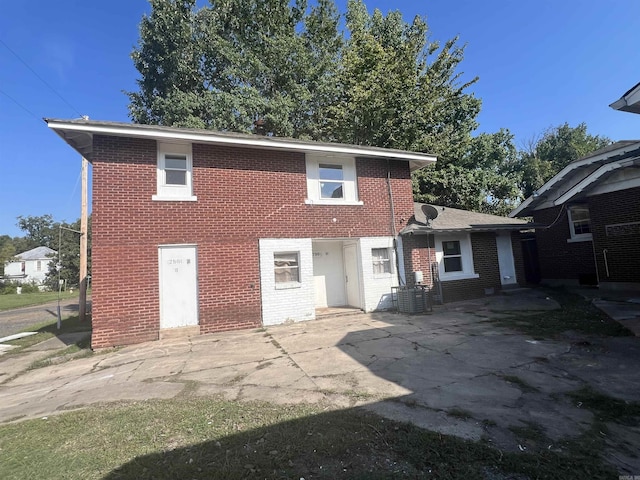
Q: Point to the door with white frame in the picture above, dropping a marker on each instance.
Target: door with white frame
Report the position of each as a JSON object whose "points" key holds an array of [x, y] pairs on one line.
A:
{"points": [[352, 274], [505, 259], [178, 285]]}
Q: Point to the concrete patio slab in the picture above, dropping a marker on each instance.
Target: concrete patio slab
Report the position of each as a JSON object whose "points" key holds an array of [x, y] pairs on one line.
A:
{"points": [[432, 370]]}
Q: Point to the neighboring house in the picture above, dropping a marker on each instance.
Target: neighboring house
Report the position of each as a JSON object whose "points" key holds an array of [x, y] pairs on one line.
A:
{"points": [[30, 266], [629, 102], [217, 231], [463, 254], [592, 212]]}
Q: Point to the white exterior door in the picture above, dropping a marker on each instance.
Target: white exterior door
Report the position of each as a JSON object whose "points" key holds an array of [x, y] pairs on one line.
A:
{"points": [[351, 272], [505, 259], [328, 274], [178, 286]]}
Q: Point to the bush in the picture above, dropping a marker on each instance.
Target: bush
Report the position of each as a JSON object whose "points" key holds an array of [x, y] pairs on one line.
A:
{"points": [[30, 288], [8, 288]]}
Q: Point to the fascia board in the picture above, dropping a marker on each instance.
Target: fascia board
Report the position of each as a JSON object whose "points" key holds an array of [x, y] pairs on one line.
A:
{"points": [[566, 170], [420, 159], [581, 186]]}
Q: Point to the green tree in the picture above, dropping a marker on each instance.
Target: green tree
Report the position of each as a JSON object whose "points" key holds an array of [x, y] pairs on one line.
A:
{"points": [[7, 251], [557, 147], [398, 90], [41, 231], [168, 57], [485, 179], [225, 66], [68, 246]]}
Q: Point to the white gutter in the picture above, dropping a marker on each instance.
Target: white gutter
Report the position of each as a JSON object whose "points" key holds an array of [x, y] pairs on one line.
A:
{"points": [[261, 142], [581, 186], [569, 168]]}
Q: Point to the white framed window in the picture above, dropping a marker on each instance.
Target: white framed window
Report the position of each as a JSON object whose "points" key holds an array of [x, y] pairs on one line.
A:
{"points": [[579, 223], [452, 256], [455, 257], [286, 266], [381, 261], [174, 172], [38, 265], [331, 180]]}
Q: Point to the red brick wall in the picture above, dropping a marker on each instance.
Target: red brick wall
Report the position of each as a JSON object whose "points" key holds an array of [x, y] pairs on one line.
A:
{"points": [[485, 264], [559, 259], [622, 244], [243, 194], [418, 256]]}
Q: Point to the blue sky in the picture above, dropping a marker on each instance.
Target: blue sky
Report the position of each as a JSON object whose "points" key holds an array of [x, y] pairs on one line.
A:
{"points": [[541, 63]]}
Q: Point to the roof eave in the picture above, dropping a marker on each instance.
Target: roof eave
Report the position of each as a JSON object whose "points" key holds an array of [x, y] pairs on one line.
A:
{"points": [[629, 102], [529, 204], [76, 134]]}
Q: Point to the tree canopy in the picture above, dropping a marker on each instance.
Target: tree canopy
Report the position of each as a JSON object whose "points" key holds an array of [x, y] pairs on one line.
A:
{"points": [[557, 147], [235, 61]]}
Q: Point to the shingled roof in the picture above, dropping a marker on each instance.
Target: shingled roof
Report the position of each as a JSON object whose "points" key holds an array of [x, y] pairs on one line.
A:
{"points": [[436, 218], [38, 253]]}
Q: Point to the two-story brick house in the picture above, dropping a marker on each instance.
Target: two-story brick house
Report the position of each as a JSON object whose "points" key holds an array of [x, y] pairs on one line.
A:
{"points": [[213, 231]]}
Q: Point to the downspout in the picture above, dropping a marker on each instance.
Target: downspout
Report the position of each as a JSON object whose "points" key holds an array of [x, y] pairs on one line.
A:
{"points": [[393, 225]]}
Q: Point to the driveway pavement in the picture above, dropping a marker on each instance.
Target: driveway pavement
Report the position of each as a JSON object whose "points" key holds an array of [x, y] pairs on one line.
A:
{"points": [[453, 371]]}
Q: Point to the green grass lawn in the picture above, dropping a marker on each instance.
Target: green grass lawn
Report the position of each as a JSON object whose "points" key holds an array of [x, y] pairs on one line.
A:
{"points": [[576, 314], [11, 301], [198, 438], [48, 330]]}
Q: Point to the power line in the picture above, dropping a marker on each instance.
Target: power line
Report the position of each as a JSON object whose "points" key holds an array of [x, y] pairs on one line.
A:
{"points": [[20, 105], [40, 78]]}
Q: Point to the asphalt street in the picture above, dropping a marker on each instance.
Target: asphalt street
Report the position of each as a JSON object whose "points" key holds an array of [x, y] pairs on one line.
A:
{"points": [[14, 321]]}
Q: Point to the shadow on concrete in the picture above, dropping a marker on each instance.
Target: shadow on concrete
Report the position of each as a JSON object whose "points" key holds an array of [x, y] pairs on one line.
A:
{"points": [[457, 375]]}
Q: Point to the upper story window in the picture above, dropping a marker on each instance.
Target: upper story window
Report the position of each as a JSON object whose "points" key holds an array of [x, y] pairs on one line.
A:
{"points": [[579, 223], [454, 255], [174, 172], [331, 180]]}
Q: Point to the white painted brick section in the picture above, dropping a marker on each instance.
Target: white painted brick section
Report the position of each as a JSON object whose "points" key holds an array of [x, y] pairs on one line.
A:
{"points": [[377, 288], [280, 305]]}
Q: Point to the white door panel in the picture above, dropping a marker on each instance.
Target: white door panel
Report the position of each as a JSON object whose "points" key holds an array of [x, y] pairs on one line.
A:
{"points": [[178, 286], [505, 259]]}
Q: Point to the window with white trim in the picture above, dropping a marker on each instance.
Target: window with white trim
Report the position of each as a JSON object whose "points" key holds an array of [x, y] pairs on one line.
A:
{"points": [[286, 266], [452, 256], [381, 261], [174, 172], [579, 222], [331, 180], [455, 257]]}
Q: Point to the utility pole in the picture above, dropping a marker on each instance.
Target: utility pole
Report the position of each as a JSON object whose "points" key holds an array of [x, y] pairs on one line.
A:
{"points": [[82, 308]]}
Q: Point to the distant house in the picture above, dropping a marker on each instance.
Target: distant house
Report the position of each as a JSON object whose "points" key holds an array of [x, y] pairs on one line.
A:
{"points": [[592, 212], [463, 254], [30, 266]]}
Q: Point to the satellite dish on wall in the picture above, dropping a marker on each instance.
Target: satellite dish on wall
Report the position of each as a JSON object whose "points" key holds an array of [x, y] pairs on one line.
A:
{"points": [[430, 212]]}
